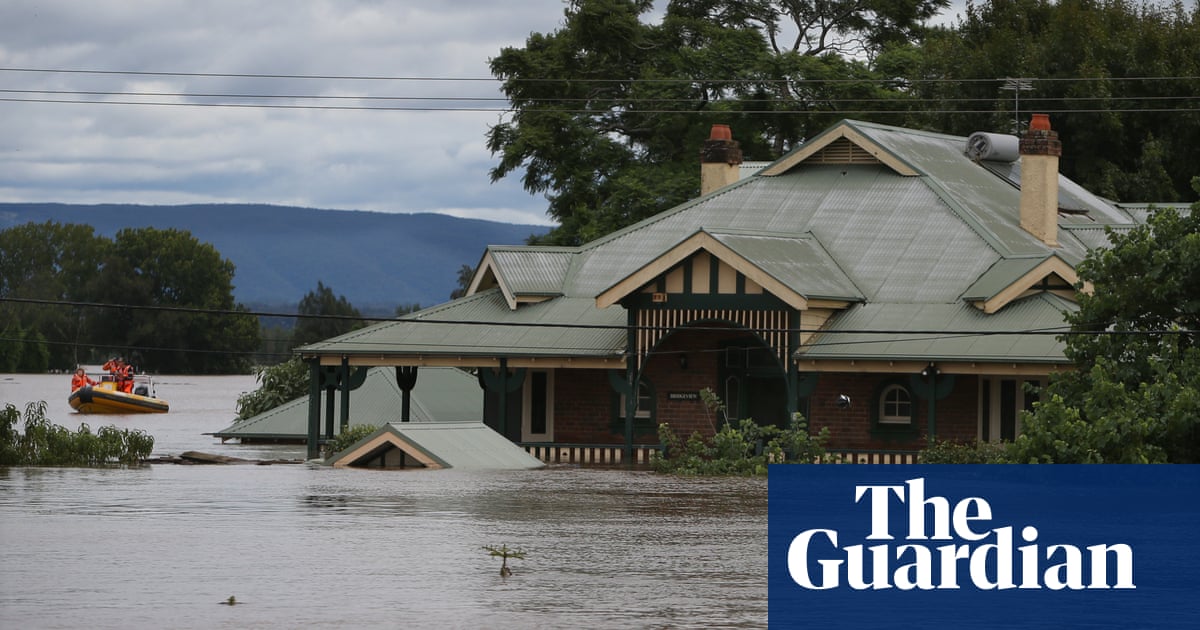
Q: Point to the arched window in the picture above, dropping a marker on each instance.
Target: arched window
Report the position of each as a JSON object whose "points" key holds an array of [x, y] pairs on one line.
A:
{"points": [[895, 405]]}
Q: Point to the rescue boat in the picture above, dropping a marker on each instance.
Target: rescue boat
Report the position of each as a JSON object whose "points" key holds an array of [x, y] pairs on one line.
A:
{"points": [[104, 397]]}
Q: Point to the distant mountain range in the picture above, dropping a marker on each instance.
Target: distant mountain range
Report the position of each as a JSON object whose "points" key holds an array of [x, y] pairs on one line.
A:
{"points": [[377, 260]]}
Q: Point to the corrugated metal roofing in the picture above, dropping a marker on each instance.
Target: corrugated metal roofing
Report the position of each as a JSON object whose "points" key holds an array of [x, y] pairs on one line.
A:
{"points": [[454, 329], [921, 241], [533, 270], [797, 261], [1020, 333], [441, 394], [463, 445]]}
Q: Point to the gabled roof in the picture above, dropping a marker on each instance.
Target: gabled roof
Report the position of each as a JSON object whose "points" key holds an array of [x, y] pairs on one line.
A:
{"points": [[1010, 278], [465, 445], [863, 213], [794, 268], [523, 274]]}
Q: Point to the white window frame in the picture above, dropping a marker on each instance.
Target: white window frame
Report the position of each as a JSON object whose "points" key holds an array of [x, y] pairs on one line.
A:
{"points": [[884, 403]]}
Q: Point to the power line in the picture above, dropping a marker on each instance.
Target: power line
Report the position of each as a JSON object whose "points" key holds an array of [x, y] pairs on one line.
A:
{"points": [[346, 77], [594, 111], [1056, 330]]}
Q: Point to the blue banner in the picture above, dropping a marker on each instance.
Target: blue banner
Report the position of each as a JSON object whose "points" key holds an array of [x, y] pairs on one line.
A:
{"points": [[997, 546]]}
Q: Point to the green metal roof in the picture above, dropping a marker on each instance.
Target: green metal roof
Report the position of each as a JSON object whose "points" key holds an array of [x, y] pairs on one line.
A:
{"points": [[442, 394], [857, 232], [946, 332], [533, 270], [464, 445], [453, 329], [797, 261]]}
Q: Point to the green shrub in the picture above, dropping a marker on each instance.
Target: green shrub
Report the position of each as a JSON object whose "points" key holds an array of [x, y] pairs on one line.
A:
{"points": [[946, 452], [745, 450], [349, 436], [47, 444]]}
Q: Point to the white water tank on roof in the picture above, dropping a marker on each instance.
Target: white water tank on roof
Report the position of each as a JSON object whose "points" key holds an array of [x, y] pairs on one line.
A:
{"points": [[994, 147]]}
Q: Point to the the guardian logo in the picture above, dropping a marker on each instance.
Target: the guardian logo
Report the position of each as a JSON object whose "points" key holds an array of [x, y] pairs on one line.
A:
{"points": [[972, 551]]}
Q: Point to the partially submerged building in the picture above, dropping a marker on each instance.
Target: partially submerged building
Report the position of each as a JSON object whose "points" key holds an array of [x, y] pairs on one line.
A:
{"points": [[891, 284]]}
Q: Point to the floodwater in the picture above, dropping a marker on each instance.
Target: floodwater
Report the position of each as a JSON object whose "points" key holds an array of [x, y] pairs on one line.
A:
{"points": [[300, 545]]}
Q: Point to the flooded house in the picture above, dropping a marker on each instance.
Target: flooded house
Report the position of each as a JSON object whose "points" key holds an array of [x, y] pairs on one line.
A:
{"points": [[891, 284]]}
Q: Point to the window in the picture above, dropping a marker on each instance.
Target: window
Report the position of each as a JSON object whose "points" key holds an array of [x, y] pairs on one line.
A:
{"points": [[537, 409], [643, 417], [895, 405], [1001, 401], [894, 410], [645, 403]]}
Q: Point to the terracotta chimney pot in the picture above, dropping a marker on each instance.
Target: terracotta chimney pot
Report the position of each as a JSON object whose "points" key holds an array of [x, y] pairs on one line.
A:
{"points": [[1040, 122], [720, 132]]}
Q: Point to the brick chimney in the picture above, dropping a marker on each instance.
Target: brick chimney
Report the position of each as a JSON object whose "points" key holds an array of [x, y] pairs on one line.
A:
{"points": [[1040, 150], [719, 160]]}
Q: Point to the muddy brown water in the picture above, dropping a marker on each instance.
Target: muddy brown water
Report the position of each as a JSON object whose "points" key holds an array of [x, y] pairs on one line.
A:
{"points": [[300, 545]]}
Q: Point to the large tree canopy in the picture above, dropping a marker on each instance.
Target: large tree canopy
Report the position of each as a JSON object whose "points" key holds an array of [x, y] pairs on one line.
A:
{"points": [[1135, 396], [160, 284], [1119, 77], [611, 110]]}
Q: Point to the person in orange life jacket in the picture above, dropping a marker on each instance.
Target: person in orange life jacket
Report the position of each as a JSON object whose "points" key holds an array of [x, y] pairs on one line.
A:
{"points": [[81, 379], [122, 373]]}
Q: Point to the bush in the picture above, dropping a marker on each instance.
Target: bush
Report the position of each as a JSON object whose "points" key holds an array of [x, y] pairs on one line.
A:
{"points": [[947, 452], [277, 384], [47, 444], [745, 450], [349, 436]]}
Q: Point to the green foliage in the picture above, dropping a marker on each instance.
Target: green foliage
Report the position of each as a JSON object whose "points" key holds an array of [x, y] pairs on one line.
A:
{"points": [[168, 271], [1135, 394], [743, 450], [329, 316], [1125, 69], [610, 110], [46, 444], [277, 384], [947, 452], [349, 436]]}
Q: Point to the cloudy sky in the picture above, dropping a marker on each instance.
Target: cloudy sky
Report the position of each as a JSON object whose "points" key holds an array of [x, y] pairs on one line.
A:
{"points": [[299, 151]]}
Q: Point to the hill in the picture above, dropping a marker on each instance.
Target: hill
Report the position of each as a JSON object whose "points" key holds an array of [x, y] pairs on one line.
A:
{"points": [[377, 260]]}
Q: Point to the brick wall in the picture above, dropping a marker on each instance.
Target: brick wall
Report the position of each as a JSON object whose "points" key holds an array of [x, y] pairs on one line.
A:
{"points": [[851, 428]]}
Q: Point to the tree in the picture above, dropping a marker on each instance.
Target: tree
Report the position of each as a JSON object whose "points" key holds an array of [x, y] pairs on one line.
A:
{"points": [[1135, 395], [56, 263], [610, 111], [322, 316], [1123, 74], [465, 274], [174, 293]]}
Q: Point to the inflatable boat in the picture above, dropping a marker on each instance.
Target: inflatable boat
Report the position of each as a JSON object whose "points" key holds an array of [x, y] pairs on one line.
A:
{"points": [[104, 397]]}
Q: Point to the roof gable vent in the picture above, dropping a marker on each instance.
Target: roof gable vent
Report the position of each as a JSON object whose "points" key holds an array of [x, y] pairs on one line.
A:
{"points": [[993, 147], [843, 151]]}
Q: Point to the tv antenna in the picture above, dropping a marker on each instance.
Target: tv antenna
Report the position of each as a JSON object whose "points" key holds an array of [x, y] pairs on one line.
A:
{"points": [[1017, 86]]}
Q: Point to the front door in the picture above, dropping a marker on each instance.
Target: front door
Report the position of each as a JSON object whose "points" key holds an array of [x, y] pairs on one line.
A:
{"points": [[753, 384], [537, 408]]}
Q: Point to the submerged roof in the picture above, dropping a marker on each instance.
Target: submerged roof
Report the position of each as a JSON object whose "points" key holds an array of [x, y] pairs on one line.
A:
{"points": [[883, 217], [442, 394], [465, 445]]}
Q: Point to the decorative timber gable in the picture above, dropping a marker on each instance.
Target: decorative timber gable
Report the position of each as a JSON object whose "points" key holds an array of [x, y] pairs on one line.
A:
{"points": [[751, 280]]}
